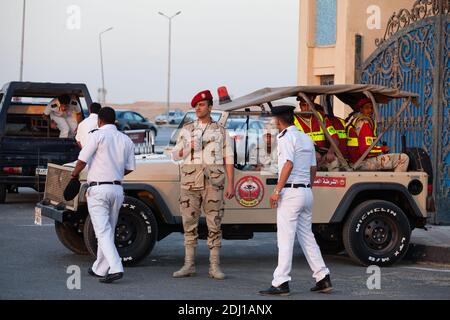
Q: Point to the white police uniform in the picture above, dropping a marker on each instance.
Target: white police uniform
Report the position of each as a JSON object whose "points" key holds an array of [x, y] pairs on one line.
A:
{"points": [[86, 126], [109, 152], [294, 212], [65, 120]]}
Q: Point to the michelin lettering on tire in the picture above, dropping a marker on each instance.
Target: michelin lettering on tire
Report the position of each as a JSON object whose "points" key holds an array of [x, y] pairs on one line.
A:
{"points": [[376, 232]]}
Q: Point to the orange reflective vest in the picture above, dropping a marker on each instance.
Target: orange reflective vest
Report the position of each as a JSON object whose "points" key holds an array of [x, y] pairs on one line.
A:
{"points": [[312, 128], [357, 144], [339, 126]]}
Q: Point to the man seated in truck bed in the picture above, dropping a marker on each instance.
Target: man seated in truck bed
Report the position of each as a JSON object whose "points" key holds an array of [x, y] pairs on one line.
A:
{"points": [[61, 111], [362, 132]]}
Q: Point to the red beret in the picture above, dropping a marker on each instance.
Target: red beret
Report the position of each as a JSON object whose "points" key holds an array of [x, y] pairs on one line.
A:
{"points": [[362, 102], [204, 95]]}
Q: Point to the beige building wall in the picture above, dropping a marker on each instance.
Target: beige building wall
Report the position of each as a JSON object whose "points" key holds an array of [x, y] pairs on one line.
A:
{"points": [[352, 18]]}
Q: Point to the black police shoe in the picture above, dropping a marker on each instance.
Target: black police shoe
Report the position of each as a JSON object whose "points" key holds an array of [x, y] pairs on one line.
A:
{"points": [[110, 277], [92, 273], [282, 290], [323, 286]]}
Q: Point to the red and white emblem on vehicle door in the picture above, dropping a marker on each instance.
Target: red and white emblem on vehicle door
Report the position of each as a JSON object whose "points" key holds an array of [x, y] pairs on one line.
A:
{"points": [[249, 191]]}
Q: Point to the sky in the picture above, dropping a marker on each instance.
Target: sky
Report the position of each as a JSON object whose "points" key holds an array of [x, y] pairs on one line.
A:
{"points": [[243, 44]]}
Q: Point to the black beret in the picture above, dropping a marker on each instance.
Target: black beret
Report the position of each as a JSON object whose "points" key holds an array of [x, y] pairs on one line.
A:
{"points": [[72, 189], [282, 109]]}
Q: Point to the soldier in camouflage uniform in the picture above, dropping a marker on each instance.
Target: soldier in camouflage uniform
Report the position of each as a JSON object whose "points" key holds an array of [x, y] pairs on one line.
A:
{"points": [[205, 148], [365, 126]]}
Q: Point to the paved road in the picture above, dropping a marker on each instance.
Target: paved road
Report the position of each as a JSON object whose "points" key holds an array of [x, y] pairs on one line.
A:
{"points": [[34, 264]]}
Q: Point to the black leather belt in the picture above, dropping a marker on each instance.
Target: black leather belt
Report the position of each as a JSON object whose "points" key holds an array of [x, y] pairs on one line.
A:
{"points": [[297, 185], [91, 184]]}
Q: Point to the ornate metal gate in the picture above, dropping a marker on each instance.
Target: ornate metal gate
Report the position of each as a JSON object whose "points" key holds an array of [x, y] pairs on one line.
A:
{"points": [[414, 55]]}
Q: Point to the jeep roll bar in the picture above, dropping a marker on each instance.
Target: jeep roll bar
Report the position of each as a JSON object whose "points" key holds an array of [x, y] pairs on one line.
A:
{"points": [[348, 94]]}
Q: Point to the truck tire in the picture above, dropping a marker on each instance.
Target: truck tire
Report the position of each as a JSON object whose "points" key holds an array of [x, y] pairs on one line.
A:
{"points": [[377, 232], [71, 238], [2, 193], [135, 235]]}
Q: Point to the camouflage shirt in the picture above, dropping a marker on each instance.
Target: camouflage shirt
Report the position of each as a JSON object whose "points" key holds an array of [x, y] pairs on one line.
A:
{"points": [[207, 162]]}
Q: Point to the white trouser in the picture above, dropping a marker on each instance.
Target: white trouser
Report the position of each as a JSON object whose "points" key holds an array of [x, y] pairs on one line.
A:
{"points": [[104, 203], [294, 216], [66, 125]]}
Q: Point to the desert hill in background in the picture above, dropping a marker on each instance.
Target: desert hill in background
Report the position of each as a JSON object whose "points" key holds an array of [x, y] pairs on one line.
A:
{"points": [[151, 109]]}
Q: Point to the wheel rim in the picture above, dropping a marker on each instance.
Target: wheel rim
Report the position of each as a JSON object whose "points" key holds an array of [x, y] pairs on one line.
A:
{"points": [[126, 231], [380, 234]]}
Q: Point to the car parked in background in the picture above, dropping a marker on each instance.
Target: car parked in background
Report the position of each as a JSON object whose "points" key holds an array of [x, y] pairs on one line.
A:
{"points": [[130, 120], [175, 117]]}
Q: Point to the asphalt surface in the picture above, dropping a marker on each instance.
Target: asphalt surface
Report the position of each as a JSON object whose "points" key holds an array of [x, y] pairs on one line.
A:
{"points": [[34, 266]]}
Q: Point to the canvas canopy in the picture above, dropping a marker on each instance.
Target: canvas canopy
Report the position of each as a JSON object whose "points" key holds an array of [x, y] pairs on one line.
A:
{"points": [[349, 94]]}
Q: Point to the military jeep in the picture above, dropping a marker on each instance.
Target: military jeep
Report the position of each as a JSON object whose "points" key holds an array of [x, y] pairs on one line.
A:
{"points": [[369, 214]]}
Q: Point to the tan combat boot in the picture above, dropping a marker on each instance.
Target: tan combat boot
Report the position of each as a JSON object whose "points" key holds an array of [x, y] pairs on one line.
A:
{"points": [[188, 268], [214, 261]]}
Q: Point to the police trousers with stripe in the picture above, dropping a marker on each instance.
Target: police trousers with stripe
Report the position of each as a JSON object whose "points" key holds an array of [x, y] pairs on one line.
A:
{"points": [[104, 203], [294, 217]]}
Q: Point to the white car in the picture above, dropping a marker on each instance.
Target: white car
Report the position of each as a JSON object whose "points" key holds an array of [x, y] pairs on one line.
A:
{"points": [[174, 117]]}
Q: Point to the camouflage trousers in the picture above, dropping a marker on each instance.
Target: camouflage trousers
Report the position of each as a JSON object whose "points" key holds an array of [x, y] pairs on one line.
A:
{"points": [[391, 161], [332, 166], [191, 204]]}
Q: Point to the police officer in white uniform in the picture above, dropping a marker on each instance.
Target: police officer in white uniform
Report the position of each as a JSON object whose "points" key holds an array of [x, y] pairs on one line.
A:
{"points": [[88, 125], [61, 111], [293, 199], [110, 154]]}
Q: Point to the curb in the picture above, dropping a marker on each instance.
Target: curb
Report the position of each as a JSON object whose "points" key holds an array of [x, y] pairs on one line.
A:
{"points": [[423, 253]]}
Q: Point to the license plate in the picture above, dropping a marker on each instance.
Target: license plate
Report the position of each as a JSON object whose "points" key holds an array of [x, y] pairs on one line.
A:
{"points": [[41, 171], [38, 216]]}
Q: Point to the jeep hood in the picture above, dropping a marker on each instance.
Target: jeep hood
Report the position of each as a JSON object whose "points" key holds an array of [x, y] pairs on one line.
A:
{"points": [[154, 167]]}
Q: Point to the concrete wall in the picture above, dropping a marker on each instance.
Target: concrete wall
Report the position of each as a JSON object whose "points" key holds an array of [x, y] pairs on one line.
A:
{"points": [[339, 59]]}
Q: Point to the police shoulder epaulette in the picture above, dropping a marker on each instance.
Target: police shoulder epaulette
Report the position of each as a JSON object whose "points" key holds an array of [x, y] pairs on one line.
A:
{"points": [[283, 133], [93, 130]]}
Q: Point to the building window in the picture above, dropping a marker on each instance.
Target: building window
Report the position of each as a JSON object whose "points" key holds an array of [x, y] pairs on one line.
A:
{"points": [[325, 22], [326, 100]]}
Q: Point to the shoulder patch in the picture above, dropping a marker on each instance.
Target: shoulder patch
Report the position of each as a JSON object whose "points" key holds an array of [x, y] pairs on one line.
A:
{"points": [[92, 131]]}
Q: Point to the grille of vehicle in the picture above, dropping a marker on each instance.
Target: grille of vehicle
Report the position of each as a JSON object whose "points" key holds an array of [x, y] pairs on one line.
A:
{"points": [[57, 179]]}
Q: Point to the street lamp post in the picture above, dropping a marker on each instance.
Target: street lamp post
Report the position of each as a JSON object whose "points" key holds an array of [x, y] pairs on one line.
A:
{"points": [[169, 57], [23, 41], [102, 90]]}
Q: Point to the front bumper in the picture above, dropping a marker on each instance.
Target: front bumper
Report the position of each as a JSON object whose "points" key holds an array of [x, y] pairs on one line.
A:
{"points": [[55, 213]]}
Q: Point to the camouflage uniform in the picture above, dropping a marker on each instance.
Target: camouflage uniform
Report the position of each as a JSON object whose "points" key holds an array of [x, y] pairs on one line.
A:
{"points": [[397, 161], [202, 184], [203, 179]]}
